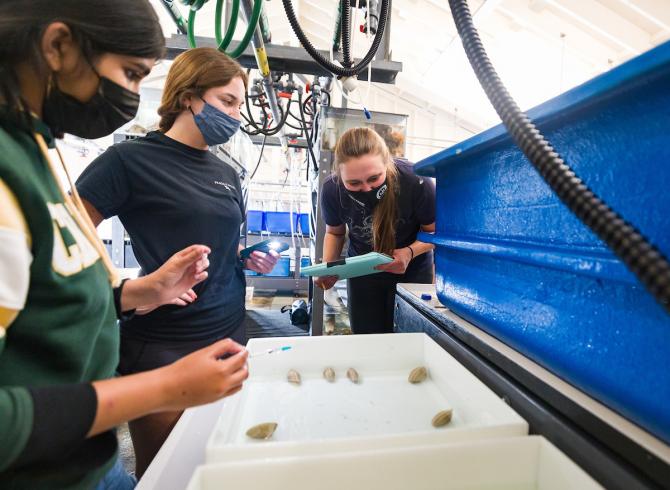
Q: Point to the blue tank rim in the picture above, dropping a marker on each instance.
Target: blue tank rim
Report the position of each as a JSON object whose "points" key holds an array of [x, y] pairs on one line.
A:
{"points": [[578, 260], [654, 63]]}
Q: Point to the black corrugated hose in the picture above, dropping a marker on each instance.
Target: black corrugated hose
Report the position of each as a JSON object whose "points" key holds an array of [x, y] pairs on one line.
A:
{"points": [[326, 63], [640, 256], [345, 33]]}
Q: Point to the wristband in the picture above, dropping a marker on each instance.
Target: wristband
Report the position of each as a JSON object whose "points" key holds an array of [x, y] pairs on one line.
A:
{"points": [[123, 316]]}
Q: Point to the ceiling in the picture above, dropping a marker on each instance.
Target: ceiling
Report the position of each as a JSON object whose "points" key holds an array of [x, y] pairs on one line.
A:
{"points": [[539, 47]]}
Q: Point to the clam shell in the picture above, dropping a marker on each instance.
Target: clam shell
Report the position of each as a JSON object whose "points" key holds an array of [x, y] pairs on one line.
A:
{"points": [[293, 376], [262, 431], [329, 374], [352, 374], [417, 375], [442, 418]]}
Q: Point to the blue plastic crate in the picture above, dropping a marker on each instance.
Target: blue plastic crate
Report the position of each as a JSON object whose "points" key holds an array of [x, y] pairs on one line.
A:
{"points": [[282, 269], [302, 224], [513, 260], [254, 221], [277, 221]]}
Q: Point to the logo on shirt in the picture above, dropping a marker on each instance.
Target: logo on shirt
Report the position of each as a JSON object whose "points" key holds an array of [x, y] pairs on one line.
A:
{"points": [[225, 184], [69, 259], [362, 229]]}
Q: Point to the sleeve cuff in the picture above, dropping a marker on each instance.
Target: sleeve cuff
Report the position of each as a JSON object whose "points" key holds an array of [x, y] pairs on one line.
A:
{"points": [[62, 417], [124, 316], [91, 197]]}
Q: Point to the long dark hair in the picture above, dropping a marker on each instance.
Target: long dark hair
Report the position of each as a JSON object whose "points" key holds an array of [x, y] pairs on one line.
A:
{"points": [[126, 27]]}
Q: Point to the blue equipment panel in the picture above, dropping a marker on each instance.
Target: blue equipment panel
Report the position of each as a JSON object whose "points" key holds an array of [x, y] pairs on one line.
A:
{"points": [[511, 258]]}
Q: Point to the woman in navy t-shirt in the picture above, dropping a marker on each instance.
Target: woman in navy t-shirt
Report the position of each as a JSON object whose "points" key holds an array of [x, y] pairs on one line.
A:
{"points": [[383, 205], [168, 190]]}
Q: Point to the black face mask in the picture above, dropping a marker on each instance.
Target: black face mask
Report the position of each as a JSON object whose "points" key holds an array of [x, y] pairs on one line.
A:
{"points": [[110, 108], [369, 199]]}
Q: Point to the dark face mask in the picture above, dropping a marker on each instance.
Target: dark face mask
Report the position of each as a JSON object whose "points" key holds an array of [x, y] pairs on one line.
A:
{"points": [[369, 199], [110, 108]]}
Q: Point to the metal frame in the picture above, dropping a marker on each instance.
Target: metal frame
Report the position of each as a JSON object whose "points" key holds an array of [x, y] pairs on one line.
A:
{"points": [[118, 254], [257, 139], [293, 282], [609, 456], [316, 244], [286, 59]]}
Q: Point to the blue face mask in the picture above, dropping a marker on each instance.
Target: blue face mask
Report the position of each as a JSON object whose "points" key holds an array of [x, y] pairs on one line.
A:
{"points": [[216, 126]]}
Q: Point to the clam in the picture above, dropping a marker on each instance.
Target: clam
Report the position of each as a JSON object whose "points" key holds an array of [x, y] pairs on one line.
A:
{"points": [[442, 418], [262, 431], [293, 376], [329, 374], [417, 375], [352, 374]]}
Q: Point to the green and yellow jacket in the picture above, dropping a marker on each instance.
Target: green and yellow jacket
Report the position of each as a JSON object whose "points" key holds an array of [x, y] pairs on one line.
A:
{"points": [[58, 330]]}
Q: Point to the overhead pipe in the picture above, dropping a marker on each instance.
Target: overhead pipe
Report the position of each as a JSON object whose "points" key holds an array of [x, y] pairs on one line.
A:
{"points": [[264, 67], [176, 16]]}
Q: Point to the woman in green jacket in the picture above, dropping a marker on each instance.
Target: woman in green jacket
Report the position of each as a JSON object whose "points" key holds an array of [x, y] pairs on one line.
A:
{"points": [[72, 66]]}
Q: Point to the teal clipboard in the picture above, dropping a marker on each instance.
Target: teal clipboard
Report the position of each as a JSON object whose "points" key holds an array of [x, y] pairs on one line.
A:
{"points": [[361, 265]]}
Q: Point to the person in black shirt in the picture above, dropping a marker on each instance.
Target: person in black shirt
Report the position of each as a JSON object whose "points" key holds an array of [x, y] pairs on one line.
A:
{"points": [[383, 205], [169, 190]]}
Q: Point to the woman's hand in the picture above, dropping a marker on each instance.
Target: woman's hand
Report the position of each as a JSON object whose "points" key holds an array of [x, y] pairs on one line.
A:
{"points": [[199, 378], [174, 278], [262, 262], [187, 298], [203, 377], [178, 275], [401, 259], [325, 282]]}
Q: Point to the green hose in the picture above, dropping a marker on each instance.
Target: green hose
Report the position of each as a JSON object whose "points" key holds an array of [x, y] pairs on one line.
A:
{"points": [[194, 6], [255, 16], [191, 28], [230, 30]]}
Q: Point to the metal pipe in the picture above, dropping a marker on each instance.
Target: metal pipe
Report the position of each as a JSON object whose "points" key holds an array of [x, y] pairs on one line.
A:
{"points": [[265, 28], [174, 12], [264, 67]]}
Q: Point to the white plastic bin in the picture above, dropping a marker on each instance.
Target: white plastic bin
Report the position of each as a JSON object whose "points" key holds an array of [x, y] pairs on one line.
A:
{"points": [[519, 463], [384, 410]]}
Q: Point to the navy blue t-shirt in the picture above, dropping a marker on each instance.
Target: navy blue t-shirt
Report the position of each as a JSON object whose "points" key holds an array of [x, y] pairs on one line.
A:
{"points": [[415, 207], [168, 196]]}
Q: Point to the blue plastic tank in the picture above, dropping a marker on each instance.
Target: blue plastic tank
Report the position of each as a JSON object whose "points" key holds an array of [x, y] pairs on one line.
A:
{"points": [[302, 223], [254, 221], [513, 260], [282, 269], [278, 221]]}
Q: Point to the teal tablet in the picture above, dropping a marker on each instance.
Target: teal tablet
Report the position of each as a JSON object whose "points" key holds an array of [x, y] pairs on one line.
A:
{"points": [[361, 265], [265, 246]]}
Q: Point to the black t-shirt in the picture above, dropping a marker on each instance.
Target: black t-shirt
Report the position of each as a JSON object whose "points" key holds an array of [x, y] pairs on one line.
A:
{"points": [[416, 207], [168, 196]]}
